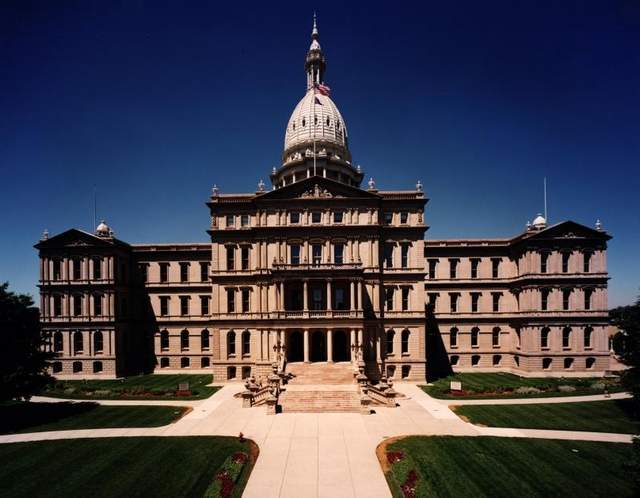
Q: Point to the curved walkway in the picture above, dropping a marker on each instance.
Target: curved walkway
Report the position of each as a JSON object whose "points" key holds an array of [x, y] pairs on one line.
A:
{"points": [[321, 454]]}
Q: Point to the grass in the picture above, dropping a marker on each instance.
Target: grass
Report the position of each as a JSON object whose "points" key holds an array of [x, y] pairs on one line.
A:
{"points": [[505, 467], [37, 417], [596, 416], [138, 387], [118, 467], [504, 385]]}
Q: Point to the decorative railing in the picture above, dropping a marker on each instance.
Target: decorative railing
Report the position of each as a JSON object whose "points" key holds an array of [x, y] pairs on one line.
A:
{"points": [[315, 266]]}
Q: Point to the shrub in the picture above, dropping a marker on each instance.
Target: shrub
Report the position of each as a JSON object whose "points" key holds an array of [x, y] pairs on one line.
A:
{"points": [[566, 389], [598, 386], [137, 390], [103, 393], [157, 391], [69, 390], [527, 390]]}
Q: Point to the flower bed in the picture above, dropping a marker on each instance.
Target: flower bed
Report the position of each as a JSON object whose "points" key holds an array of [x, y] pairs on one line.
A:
{"points": [[403, 473], [227, 477]]}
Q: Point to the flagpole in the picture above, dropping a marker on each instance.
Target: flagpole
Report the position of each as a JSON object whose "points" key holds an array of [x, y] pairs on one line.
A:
{"points": [[314, 136]]}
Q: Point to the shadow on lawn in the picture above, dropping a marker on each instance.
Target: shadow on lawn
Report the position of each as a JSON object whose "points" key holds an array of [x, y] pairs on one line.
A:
{"points": [[15, 417]]}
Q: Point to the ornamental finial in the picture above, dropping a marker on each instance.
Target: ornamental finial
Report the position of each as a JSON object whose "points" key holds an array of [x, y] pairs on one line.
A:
{"points": [[419, 186], [372, 184], [45, 235], [260, 186], [598, 225], [215, 191]]}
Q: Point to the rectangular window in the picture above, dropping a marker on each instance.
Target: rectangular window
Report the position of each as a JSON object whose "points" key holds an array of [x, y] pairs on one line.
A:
{"points": [[231, 221], [164, 305], [316, 298], [77, 305], [231, 258], [566, 293], [405, 299], [294, 217], [565, 262], [544, 258], [340, 301], [544, 299], [474, 267], [244, 257], [587, 299], [388, 298], [586, 262], [184, 272], [316, 254], [97, 305], [143, 271], [404, 255], [77, 269], [204, 272], [453, 296], [231, 301], [453, 268], [244, 220], [164, 272], [97, 268], [404, 217], [57, 269], [246, 306], [495, 268], [496, 301], [475, 298], [316, 217], [433, 300], [57, 305], [388, 255], [338, 216], [432, 268], [338, 254], [388, 218], [204, 305], [295, 254], [184, 305]]}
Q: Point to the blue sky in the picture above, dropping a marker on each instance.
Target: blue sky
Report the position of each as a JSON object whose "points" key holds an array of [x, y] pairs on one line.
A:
{"points": [[154, 102]]}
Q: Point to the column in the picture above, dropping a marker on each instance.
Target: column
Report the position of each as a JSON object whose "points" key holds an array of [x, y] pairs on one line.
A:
{"points": [[305, 297], [282, 295], [378, 340], [330, 345], [306, 345], [361, 342], [329, 295], [360, 284], [351, 295], [353, 342]]}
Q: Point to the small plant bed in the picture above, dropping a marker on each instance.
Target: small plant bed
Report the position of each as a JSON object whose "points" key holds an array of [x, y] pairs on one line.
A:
{"points": [[476, 467], [227, 476], [138, 387], [506, 385], [127, 467], [594, 416], [19, 417]]}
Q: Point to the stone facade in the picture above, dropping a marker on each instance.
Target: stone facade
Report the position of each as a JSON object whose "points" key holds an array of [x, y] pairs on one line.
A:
{"points": [[318, 269]]}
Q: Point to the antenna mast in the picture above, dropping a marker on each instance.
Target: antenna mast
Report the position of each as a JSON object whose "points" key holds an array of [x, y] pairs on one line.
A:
{"points": [[545, 200], [94, 208]]}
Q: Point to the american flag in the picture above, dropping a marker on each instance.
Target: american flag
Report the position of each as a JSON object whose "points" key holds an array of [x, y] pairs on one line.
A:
{"points": [[323, 89]]}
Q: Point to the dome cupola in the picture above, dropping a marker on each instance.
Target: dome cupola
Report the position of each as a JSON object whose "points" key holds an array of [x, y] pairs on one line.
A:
{"points": [[316, 140]]}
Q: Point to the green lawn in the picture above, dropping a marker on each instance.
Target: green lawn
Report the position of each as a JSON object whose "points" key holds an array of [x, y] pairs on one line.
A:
{"points": [[137, 387], [504, 385], [596, 416], [125, 467], [38, 417], [506, 467]]}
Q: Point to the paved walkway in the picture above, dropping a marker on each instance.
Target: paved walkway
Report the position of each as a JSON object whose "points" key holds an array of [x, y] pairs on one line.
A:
{"points": [[319, 454], [534, 401]]}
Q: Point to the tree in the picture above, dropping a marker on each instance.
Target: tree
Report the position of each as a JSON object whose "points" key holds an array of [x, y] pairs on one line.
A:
{"points": [[23, 359], [627, 319]]}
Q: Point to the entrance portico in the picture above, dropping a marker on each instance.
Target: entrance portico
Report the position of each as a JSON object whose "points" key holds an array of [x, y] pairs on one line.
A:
{"points": [[321, 345]]}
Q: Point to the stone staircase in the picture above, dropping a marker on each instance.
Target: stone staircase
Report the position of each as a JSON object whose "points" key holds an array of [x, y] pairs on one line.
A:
{"points": [[320, 387]]}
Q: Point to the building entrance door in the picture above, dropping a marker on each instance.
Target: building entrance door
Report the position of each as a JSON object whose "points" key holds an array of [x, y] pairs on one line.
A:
{"points": [[295, 347], [318, 346], [340, 346]]}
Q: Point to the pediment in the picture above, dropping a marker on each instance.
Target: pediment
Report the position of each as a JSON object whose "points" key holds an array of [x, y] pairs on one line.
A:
{"points": [[569, 230], [76, 238], [317, 187]]}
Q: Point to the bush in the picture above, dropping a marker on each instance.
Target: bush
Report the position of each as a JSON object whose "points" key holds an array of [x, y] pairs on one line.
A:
{"points": [[566, 389], [69, 390], [137, 390], [103, 393], [598, 386], [527, 390], [157, 391]]}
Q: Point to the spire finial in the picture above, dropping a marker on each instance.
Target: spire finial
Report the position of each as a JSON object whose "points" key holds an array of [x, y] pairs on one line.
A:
{"points": [[314, 31]]}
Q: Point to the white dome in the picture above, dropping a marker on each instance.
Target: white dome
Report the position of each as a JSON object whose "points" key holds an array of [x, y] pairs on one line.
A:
{"points": [[315, 116], [103, 229], [539, 221]]}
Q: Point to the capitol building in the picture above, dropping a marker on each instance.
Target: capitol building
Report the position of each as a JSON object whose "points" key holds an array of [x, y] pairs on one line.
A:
{"points": [[326, 269]]}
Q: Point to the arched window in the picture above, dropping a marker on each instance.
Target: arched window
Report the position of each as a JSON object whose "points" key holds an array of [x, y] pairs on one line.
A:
{"points": [[97, 367], [231, 342], [405, 341], [164, 340], [78, 342], [588, 333], [57, 342], [544, 337], [184, 339], [475, 333], [566, 337], [495, 337], [390, 337], [77, 367], [453, 337], [185, 362], [204, 339], [246, 342], [98, 342]]}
